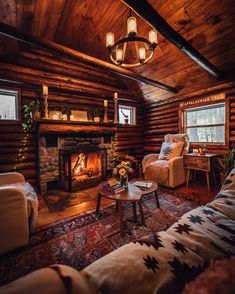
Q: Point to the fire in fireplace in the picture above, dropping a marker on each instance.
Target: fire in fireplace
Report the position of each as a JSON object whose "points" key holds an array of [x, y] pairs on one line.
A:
{"points": [[82, 167]]}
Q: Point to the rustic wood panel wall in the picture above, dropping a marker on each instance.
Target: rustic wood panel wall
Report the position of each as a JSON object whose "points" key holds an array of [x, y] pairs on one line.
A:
{"points": [[129, 139], [162, 118], [71, 86]]}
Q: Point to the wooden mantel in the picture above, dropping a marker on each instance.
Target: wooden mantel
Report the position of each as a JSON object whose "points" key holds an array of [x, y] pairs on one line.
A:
{"points": [[47, 126]]}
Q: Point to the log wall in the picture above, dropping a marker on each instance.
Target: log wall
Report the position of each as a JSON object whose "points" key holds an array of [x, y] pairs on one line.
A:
{"points": [[71, 86], [162, 118]]}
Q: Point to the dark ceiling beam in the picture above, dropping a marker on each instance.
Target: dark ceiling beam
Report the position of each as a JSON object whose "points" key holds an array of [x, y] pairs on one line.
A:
{"points": [[17, 34], [150, 15]]}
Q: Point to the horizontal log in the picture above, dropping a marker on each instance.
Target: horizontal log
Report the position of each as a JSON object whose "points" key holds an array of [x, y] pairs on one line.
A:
{"points": [[36, 60], [172, 115], [156, 106], [6, 158], [17, 150], [129, 139], [159, 125], [162, 112], [129, 142], [130, 135], [14, 143], [75, 128], [20, 166], [10, 136], [28, 72], [152, 149], [62, 85], [15, 33], [154, 140], [163, 131], [127, 148]]}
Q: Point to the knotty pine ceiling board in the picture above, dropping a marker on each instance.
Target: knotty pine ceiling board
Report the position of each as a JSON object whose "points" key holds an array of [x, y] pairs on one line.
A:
{"points": [[82, 25]]}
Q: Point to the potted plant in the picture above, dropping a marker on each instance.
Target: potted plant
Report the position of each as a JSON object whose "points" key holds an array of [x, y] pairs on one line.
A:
{"points": [[31, 113], [227, 163]]}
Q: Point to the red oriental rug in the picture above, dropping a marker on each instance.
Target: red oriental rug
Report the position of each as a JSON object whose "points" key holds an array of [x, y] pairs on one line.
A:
{"points": [[81, 240]]}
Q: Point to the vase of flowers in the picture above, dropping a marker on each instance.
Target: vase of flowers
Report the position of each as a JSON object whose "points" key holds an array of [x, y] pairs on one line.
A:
{"points": [[121, 171], [124, 181]]}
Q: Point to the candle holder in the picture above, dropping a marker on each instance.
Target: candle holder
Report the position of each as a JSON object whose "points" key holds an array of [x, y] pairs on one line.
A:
{"points": [[105, 120], [45, 98], [115, 120]]}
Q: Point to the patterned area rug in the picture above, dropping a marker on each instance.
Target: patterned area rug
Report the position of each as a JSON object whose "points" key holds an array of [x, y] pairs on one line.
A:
{"points": [[81, 240], [58, 200]]}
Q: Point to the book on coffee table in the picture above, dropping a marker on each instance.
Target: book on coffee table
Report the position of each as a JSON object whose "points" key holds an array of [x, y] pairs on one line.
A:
{"points": [[142, 184], [117, 188]]}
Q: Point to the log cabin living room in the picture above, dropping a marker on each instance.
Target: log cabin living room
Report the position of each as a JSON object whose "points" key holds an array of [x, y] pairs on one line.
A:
{"points": [[117, 156]]}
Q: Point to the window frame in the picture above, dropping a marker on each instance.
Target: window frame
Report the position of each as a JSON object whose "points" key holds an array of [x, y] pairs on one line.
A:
{"points": [[183, 127], [132, 117], [17, 121]]}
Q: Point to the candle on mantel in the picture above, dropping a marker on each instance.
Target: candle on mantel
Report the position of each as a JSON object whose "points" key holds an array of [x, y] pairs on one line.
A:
{"points": [[71, 117], [105, 111], [45, 90], [115, 120]]}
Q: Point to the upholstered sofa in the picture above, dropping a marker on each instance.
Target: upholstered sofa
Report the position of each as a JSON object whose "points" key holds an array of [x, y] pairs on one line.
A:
{"points": [[167, 168], [18, 211], [158, 263]]}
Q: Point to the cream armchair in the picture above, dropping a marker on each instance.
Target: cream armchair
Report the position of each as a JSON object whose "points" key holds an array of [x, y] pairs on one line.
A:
{"points": [[18, 211], [169, 173]]}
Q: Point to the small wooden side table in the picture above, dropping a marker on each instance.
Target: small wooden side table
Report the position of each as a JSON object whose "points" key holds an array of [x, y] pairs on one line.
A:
{"points": [[205, 163]]}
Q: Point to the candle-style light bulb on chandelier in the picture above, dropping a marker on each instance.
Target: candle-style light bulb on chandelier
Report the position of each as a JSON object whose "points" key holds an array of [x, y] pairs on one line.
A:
{"points": [[144, 48]]}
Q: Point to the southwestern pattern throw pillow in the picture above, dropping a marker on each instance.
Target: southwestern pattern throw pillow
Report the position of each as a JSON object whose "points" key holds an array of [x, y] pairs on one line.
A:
{"points": [[171, 150]]}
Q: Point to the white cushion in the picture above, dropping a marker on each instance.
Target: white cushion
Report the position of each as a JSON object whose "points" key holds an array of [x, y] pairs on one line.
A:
{"points": [[171, 150]]}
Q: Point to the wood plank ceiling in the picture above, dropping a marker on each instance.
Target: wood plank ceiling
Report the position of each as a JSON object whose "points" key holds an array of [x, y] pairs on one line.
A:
{"points": [[83, 24]]}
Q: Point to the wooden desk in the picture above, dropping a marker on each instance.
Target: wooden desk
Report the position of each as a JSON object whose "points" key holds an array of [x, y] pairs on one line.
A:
{"points": [[205, 163]]}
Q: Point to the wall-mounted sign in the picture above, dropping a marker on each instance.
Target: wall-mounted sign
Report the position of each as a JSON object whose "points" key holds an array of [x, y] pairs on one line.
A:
{"points": [[208, 99]]}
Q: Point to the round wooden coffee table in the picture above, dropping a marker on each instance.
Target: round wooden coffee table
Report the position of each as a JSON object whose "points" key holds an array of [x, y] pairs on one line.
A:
{"points": [[133, 194]]}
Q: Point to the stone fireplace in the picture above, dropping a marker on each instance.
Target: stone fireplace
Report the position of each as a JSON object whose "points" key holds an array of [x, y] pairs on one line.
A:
{"points": [[74, 162], [81, 167]]}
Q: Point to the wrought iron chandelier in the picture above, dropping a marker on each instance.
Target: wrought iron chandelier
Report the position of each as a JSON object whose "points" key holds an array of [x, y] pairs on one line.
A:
{"points": [[144, 48]]}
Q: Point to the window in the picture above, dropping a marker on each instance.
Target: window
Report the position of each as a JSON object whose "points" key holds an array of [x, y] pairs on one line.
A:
{"points": [[9, 105], [206, 124], [126, 114]]}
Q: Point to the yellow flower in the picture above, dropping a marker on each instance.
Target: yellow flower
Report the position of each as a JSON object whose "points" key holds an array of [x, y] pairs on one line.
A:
{"points": [[122, 171], [123, 163]]}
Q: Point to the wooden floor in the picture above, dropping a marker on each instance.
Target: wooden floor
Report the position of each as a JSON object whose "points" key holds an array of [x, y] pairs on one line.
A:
{"points": [[46, 217]]}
